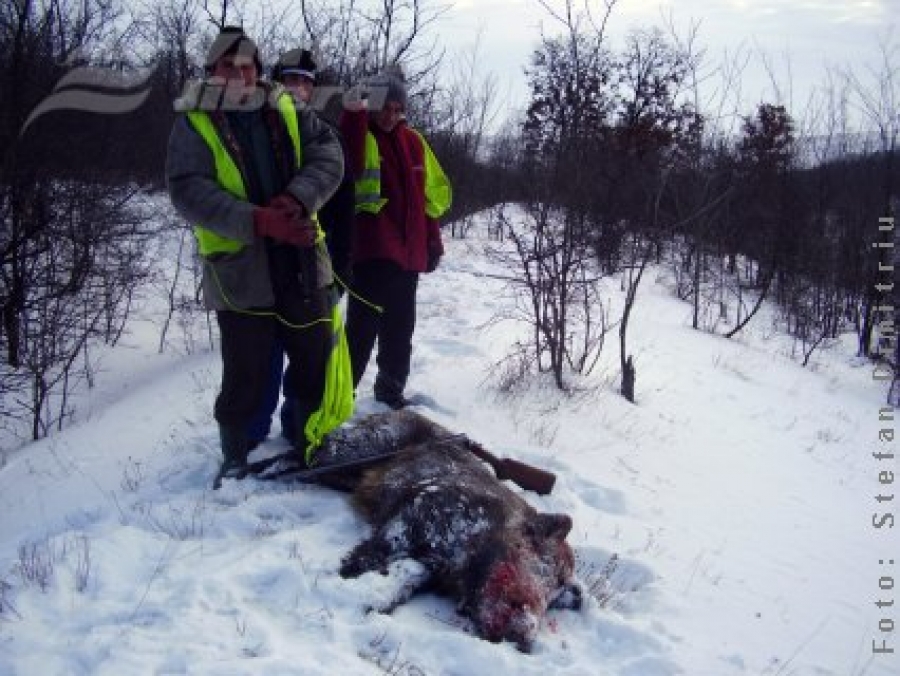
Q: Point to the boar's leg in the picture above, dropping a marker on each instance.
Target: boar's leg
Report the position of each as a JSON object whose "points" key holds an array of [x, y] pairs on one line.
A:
{"points": [[388, 543], [371, 554], [409, 576]]}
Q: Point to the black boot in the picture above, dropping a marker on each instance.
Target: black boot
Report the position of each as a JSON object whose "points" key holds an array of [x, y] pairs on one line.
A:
{"points": [[389, 391], [235, 449], [300, 411]]}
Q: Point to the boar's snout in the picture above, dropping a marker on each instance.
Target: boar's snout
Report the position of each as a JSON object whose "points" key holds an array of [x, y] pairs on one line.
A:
{"points": [[523, 628], [510, 606], [514, 623]]}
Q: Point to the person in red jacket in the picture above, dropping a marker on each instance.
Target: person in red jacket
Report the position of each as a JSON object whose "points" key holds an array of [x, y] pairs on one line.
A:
{"points": [[394, 238]]}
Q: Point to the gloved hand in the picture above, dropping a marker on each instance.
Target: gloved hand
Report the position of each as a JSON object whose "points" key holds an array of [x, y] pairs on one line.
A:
{"points": [[356, 98], [434, 258], [284, 225], [289, 203]]}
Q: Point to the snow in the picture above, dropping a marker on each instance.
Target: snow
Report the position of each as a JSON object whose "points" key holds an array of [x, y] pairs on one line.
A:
{"points": [[723, 525]]}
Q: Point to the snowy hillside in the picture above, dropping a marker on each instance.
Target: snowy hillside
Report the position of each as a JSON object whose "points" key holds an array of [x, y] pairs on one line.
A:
{"points": [[723, 525]]}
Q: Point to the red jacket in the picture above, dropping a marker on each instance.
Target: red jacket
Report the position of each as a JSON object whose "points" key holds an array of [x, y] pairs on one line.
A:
{"points": [[401, 232]]}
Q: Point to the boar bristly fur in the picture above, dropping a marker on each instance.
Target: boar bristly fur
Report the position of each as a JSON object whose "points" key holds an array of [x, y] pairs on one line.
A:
{"points": [[480, 543]]}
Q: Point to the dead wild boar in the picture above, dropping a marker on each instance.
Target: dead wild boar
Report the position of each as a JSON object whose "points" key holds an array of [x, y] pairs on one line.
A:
{"points": [[478, 541]]}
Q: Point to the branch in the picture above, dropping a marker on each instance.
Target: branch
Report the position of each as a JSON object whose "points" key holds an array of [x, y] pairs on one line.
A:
{"points": [[608, 8]]}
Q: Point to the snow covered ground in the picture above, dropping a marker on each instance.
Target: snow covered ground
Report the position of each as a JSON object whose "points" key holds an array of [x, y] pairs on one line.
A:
{"points": [[724, 524]]}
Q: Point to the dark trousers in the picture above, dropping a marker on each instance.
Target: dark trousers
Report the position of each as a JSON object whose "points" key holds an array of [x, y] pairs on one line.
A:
{"points": [[261, 423], [248, 342], [382, 283]]}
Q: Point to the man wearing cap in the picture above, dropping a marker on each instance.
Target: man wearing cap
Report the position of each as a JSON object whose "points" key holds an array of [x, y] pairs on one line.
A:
{"points": [[249, 170], [296, 70], [401, 192]]}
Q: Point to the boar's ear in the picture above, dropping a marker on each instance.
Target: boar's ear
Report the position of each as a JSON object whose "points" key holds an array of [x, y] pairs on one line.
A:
{"points": [[550, 526]]}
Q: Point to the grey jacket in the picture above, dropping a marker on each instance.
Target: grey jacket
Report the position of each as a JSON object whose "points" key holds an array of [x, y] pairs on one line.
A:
{"points": [[242, 280]]}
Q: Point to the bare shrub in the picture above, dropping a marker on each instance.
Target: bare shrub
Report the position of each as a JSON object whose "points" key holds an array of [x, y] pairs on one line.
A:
{"points": [[557, 291], [36, 564], [510, 374], [179, 523], [598, 580], [132, 476], [82, 563], [387, 658], [6, 606]]}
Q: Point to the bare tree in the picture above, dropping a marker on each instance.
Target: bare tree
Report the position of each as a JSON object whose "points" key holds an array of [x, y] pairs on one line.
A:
{"points": [[658, 127], [71, 245], [173, 28], [174, 296], [221, 13], [557, 292], [566, 122], [357, 38], [79, 273], [877, 97]]}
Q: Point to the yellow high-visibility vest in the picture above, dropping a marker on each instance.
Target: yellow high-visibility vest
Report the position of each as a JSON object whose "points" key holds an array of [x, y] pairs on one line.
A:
{"points": [[438, 192], [229, 176]]}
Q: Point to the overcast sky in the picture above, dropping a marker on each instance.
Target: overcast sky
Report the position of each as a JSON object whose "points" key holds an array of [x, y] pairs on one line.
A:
{"points": [[800, 37]]}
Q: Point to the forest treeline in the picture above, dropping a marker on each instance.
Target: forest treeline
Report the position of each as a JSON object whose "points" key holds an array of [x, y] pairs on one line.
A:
{"points": [[620, 157]]}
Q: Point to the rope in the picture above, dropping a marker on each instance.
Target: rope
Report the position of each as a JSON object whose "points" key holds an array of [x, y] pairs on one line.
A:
{"points": [[350, 292], [272, 313]]}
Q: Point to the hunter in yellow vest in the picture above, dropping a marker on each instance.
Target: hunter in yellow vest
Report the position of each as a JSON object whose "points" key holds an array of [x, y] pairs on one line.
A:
{"points": [[249, 171], [401, 192]]}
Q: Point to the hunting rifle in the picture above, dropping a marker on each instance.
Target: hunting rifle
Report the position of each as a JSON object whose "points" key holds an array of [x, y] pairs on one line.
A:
{"points": [[290, 466]]}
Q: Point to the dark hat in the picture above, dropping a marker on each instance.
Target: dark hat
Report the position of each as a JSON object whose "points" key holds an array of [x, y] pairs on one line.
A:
{"points": [[295, 62], [232, 40], [391, 86]]}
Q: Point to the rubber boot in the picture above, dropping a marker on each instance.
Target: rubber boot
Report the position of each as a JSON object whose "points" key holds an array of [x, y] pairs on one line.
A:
{"points": [[235, 449]]}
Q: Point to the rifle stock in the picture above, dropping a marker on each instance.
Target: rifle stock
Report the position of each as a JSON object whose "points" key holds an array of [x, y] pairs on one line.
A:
{"points": [[522, 474]]}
